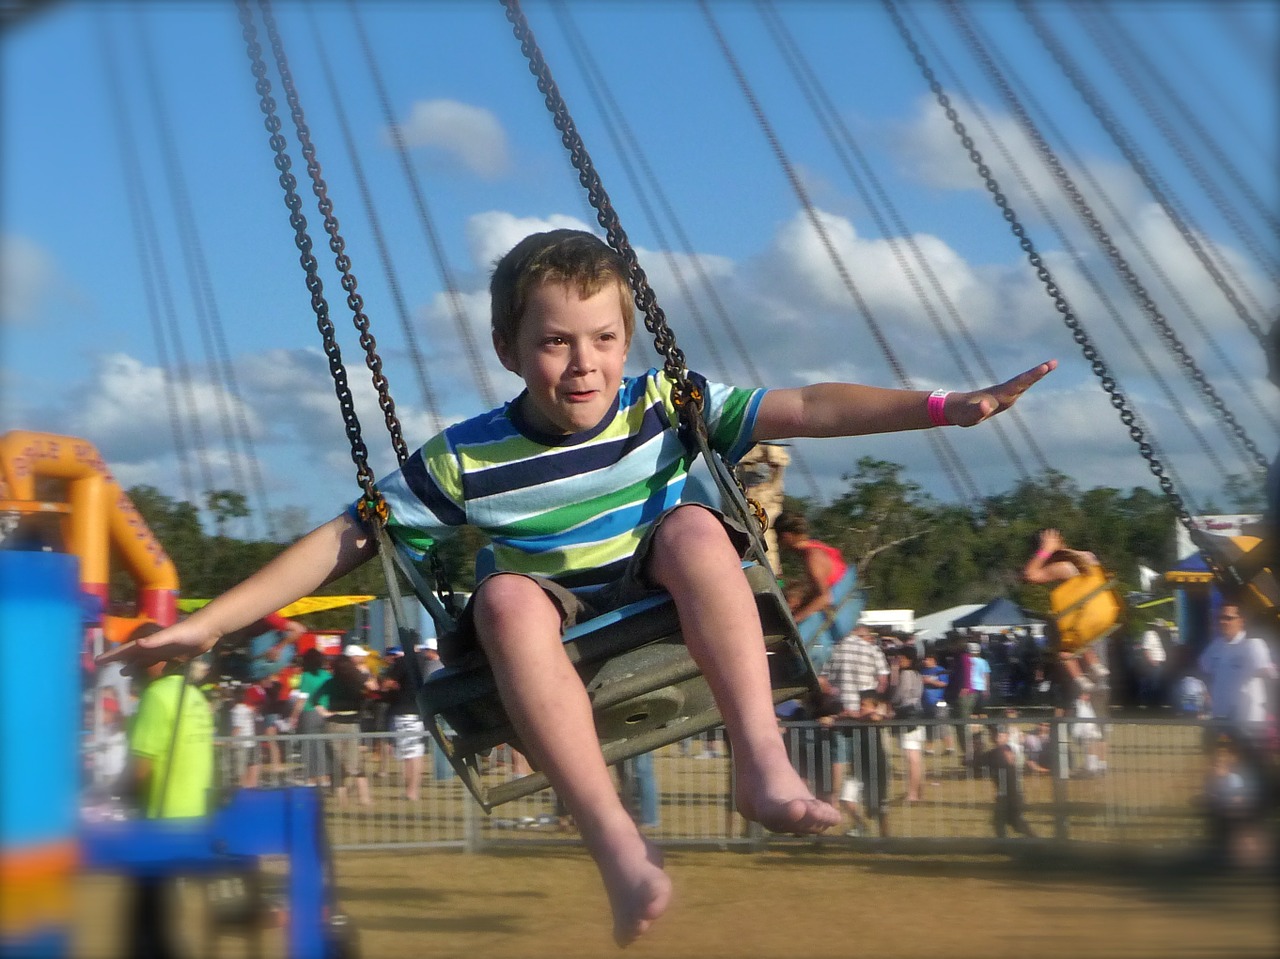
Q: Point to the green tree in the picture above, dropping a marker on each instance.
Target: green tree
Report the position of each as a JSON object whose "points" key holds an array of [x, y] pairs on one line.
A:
{"points": [[225, 505]]}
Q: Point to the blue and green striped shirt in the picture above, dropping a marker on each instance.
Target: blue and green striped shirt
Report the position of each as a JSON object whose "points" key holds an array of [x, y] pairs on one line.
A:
{"points": [[572, 508]]}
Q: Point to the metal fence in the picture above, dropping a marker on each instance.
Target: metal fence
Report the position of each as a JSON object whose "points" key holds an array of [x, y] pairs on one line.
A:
{"points": [[1135, 781]]}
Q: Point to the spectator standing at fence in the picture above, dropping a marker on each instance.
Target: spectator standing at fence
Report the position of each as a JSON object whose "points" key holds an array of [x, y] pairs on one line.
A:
{"points": [[1003, 763], [340, 702], [401, 697], [1149, 658], [934, 679], [857, 663], [1234, 808], [1037, 750], [271, 702], [980, 679], [307, 721], [246, 764], [865, 793], [824, 565], [963, 697], [906, 700], [1237, 668]]}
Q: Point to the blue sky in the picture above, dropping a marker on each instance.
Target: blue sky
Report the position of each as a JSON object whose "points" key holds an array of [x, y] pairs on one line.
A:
{"points": [[76, 320]]}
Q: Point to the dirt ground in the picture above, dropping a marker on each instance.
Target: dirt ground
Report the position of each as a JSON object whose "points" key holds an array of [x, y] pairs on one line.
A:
{"points": [[811, 901]]}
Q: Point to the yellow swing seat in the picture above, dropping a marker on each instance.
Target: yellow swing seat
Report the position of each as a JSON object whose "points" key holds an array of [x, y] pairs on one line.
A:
{"points": [[1086, 609], [645, 689]]}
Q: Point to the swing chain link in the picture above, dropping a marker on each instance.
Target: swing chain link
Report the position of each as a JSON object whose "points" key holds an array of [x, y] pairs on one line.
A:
{"points": [[355, 302], [655, 319], [283, 163], [1088, 350], [687, 398], [372, 507]]}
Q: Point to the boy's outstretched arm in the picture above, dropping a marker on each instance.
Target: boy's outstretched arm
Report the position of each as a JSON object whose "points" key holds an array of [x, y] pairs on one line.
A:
{"points": [[323, 555], [849, 409]]}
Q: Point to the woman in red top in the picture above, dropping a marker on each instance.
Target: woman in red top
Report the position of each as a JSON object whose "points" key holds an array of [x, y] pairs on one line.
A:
{"points": [[824, 565]]}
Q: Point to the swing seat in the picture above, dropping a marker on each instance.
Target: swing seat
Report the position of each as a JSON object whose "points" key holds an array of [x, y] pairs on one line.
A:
{"points": [[1241, 560], [1086, 608], [645, 690], [821, 631]]}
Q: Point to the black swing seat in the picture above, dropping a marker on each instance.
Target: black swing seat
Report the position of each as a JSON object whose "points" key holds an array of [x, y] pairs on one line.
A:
{"points": [[644, 687]]}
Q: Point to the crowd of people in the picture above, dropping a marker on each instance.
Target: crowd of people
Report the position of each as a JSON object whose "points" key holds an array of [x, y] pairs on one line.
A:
{"points": [[963, 682]]}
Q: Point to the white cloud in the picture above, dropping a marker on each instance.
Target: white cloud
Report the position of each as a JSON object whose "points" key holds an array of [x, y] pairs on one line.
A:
{"points": [[492, 233], [470, 135]]}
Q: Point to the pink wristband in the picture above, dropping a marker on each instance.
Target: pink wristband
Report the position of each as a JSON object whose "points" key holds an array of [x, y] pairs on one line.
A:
{"points": [[937, 407], [1043, 553]]}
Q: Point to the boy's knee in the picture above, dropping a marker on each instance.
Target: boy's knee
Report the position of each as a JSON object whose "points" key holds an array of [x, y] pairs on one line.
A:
{"points": [[506, 596], [691, 522]]}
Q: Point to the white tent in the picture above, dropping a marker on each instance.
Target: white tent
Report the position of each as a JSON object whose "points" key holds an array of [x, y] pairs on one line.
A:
{"points": [[933, 627]]}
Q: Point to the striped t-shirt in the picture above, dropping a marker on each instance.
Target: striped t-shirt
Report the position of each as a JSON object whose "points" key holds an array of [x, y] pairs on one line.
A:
{"points": [[572, 508]]}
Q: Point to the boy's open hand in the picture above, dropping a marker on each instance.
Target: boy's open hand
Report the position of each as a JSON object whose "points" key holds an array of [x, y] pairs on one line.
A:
{"points": [[970, 409], [179, 643]]}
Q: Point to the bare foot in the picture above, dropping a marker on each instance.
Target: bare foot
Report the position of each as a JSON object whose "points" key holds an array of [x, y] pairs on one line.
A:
{"points": [[801, 815], [639, 892], [781, 802]]}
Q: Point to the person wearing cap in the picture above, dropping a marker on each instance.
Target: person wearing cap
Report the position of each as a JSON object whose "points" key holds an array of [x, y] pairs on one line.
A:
{"points": [[967, 699]]}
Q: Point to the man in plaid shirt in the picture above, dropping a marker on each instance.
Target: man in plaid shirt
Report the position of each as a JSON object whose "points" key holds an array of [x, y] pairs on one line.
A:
{"points": [[857, 663]]}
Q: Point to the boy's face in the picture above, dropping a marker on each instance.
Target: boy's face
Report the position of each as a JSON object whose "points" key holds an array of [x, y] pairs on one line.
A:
{"points": [[570, 353]]}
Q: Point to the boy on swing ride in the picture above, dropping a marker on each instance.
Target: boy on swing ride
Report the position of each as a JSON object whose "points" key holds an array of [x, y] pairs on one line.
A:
{"points": [[577, 481]]}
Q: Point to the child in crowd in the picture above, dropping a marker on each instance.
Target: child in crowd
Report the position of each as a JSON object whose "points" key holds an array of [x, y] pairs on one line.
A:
{"points": [[1233, 808], [1003, 762], [578, 483], [865, 793]]}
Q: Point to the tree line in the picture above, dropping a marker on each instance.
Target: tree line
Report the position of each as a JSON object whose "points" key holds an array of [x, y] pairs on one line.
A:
{"points": [[911, 551]]}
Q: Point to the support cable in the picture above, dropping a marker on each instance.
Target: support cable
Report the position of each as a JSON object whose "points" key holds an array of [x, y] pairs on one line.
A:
{"points": [[143, 227], [243, 463], [427, 387], [1186, 229], [646, 185], [1121, 50], [896, 235], [956, 473], [1115, 257], [161, 287], [1090, 352], [461, 321], [1078, 259], [1046, 121]]}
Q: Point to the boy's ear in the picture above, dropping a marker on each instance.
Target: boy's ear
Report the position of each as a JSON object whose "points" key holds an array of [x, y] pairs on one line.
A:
{"points": [[507, 356]]}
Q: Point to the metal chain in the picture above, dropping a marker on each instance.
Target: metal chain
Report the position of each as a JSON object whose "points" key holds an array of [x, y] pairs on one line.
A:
{"points": [[1130, 151], [1106, 242], [1089, 351], [686, 396], [655, 320], [320, 306], [355, 302], [372, 507]]}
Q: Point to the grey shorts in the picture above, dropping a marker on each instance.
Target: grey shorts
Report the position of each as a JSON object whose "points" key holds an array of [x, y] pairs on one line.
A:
{"points": [[461, 647]]}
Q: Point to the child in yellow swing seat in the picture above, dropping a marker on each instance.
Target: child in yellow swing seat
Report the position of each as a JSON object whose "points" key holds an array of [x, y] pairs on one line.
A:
{"points": [[577, 481]]}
